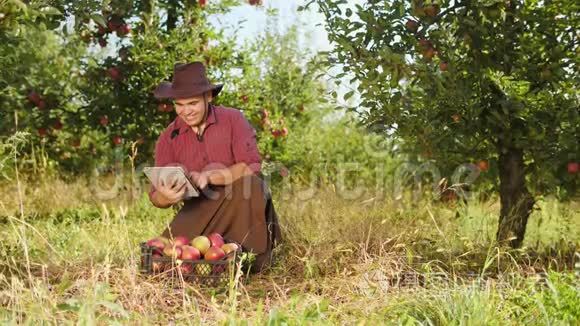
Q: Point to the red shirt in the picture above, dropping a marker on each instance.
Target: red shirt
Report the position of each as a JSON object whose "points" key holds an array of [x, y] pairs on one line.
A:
{"points": [[228, 139]]}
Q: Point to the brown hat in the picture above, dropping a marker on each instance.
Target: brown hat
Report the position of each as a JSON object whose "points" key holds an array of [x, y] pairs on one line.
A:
{"points": [[189, 80]]}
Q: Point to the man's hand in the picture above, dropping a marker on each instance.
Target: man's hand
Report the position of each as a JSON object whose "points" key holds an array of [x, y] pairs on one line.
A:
{"points": [[173, 191], [199, 179]]}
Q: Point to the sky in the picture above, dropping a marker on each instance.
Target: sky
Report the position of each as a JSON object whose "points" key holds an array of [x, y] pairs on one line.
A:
{"points": [[249, 21]]}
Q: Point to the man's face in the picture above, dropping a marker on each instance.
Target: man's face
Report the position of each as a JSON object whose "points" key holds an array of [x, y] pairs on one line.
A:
{"points": [[191, 109]]}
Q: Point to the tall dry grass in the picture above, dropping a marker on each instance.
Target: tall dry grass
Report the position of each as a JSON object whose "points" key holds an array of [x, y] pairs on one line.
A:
{"points": [[73, 260]]}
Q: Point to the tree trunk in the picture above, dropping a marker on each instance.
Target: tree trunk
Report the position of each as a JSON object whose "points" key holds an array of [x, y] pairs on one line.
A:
{"points": [[171, 16], [516, 201]]}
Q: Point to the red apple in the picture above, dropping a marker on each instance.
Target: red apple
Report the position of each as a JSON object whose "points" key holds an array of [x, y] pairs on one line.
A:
{"points": [[216, 240], [214, 253], [218, 269], [429, 53], [443, 66], [190, 253], [456, 117], [431, 10], [117, 140], [265, 113], [186, 268], [180, 240], [202, 3], [255, 2], [158, 244], [57, 125], [483, 165], [412, 26], [424, 43], [41, 105], [114, 73], [276, 133], [34, 98], [230, 247], [123, 30], [42, 132], [112, 25], [573, 167], [201, 243], [104, 120], [172, 251], [284, 132], [101, 31], [164, 107]]}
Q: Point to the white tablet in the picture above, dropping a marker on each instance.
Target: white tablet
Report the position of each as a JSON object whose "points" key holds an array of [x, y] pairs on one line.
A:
{"points": [[169, 174]]}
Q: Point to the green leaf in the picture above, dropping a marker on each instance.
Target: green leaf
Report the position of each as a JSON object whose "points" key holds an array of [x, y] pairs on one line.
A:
{"points": [[348, 95], [51, 11], [99, 19], [114, 307]]}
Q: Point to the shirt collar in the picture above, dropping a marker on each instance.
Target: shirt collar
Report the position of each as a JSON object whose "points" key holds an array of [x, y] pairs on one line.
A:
{"points": [[211, 119]]}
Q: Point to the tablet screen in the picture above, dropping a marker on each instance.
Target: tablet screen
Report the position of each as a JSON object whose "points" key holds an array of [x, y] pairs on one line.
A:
{"points": [[170, 174]]}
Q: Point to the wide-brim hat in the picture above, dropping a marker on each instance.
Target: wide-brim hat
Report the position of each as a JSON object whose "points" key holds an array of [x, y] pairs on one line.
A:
{"points": [[189, 80]]}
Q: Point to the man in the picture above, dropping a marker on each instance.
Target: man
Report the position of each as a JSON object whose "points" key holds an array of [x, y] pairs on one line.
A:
{"points": [[217, 146]]}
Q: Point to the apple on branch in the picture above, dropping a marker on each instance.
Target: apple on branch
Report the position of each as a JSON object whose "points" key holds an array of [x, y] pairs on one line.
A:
{"points": [[573, 167]]}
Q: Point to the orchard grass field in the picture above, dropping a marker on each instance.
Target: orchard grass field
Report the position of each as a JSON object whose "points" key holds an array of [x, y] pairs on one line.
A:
{"points": [[67, 258], [435, 89]]}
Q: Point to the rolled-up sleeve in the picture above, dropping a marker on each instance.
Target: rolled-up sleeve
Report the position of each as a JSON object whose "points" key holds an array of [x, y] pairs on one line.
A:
{"points": [[163, 156], [244, 144]]}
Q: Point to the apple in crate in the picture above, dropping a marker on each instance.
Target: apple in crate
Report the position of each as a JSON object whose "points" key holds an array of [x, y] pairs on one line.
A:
{"points": [[202, 269], [180, 241], [229, 247], [202, 244], [186, 268], [158, 244], [216, 240], [216, 253], [190, 253], [173, 252]]}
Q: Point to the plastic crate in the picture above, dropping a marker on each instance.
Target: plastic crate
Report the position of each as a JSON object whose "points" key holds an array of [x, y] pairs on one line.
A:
{"points": [[203, 272]]}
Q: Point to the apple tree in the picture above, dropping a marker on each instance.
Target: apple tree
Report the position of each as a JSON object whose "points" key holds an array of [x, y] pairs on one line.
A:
{"points": [[493, 82], [87, 96], [40, 72]]}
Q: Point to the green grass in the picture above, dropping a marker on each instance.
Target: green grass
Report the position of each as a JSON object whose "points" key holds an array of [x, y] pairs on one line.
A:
{"points": [[70, 259]]}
